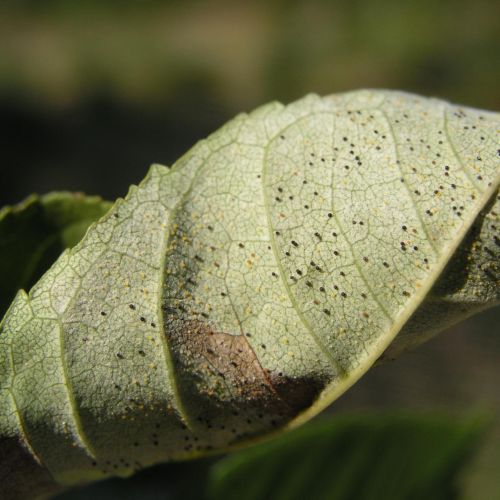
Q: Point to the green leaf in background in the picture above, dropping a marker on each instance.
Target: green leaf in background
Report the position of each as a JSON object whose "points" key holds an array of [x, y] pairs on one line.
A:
{"points": [[353, 457], [35, 232]]}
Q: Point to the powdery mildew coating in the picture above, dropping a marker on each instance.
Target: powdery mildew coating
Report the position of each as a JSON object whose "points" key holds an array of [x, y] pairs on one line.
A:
{"points": [[259, 277]]}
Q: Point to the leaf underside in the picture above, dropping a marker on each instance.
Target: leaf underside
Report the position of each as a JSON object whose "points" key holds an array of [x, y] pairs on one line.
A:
{"points": [[366, 457], [244, 289]]}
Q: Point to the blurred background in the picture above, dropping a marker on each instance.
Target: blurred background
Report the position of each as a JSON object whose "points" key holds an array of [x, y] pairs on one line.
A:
{"points": [[93, 92]]}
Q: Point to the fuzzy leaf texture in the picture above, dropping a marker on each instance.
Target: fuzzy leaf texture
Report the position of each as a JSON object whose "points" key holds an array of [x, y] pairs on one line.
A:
{"points": [[240, 292]]}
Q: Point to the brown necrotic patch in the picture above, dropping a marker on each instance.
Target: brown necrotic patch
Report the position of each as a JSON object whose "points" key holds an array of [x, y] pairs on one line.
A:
{"points": [[225, 388], [224, 364]]}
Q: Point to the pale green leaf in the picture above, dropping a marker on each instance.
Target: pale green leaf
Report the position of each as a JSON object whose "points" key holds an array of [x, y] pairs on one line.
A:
{"points": [[242, 291], [362, 457]]}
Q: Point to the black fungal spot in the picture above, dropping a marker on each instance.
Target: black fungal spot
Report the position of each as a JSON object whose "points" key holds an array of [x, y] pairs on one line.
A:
{"points": [[132, 306], [119, 355]]}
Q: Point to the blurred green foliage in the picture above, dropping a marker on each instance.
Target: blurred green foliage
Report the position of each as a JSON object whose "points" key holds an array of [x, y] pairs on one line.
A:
{"points": [[34, 233], [93, 92], [241, 54]]}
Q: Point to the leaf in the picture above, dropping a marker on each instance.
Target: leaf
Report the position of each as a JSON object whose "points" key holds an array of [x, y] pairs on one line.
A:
{"points": [[242, 291], [468, 285], [34, 233], [369, 456], [363, 457]]}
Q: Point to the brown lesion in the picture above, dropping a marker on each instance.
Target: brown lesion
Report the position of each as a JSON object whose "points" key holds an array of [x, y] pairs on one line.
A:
{"points": [[222, 370], [21, 475]]}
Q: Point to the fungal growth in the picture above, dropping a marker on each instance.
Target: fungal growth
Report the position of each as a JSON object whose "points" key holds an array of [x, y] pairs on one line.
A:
{"points": [[241, 291]]}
